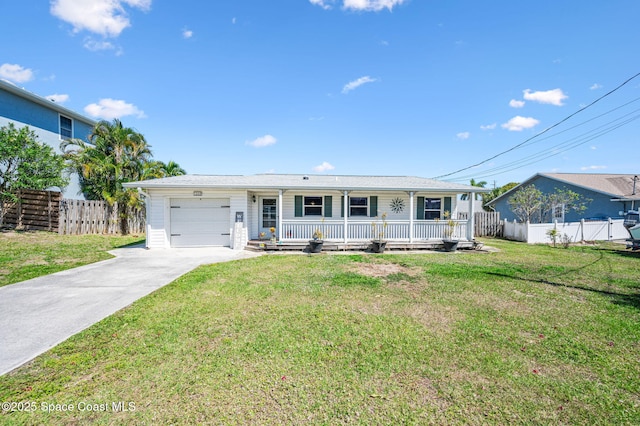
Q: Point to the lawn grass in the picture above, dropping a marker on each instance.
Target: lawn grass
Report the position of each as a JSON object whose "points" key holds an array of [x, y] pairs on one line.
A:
{"points": [[25, 255], [526, 335]]}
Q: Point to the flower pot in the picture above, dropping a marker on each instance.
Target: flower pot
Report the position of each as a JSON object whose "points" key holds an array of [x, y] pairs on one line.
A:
{"points": [[378, 246], [450, 245], [315, 246]]}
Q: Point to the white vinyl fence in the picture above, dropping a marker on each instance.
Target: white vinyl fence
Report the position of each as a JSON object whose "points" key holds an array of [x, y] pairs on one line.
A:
{"points": [[534, 233]]}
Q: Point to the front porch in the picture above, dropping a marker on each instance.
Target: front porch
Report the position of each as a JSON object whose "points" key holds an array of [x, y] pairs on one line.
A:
{"points": [[344, 235], [349, 231]]}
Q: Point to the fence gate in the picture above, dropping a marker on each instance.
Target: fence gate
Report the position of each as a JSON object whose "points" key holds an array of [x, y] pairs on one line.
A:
{"points": [[486, 224]]}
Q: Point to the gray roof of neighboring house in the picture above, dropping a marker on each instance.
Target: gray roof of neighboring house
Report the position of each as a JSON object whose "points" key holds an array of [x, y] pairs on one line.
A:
{"points": [[12, 88], [616, 186], [310, 182]]}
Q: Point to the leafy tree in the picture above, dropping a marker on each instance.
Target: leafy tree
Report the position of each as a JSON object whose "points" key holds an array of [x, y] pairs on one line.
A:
{"points": [[26, 163], [565, 199], [113, 155], [530, 204], [496, 192], [527, 203]]}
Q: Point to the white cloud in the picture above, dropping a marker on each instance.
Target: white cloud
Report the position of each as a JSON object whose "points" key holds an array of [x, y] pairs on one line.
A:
{"points": [[553, 97], [489, 126], [518, 123], [323, 167], [187, 33], [516, 104], [322, 3], [463, 135], [360, 5], [59, 99], [15, 73], [234, 20], [357, 83], [371, 5], [262, 141], [595, 86], [593, 168], [95, 45], [105, 17], [109, 109]]}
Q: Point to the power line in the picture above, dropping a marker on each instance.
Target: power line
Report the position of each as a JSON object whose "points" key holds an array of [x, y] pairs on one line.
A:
{"points": [[562, 147], [513, 148], [556, 150]]}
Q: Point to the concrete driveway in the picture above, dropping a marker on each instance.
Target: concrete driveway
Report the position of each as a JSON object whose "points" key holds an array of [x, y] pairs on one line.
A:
{"points": [[37, 314]]}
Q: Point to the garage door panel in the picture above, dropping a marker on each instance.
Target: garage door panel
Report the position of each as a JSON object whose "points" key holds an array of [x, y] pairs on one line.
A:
{"points": [[200, 222]]}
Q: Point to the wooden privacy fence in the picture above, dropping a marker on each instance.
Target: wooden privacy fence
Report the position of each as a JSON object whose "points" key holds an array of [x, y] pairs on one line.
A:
{"points": [[34, 210], [487, 224], [48, 211], [96, 217]]}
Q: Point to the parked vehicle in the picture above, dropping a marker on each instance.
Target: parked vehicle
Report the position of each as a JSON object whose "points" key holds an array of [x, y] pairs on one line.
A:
{"points": [[632, 223]]}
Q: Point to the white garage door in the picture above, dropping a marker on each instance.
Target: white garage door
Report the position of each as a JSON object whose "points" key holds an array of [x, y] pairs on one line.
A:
{"points": [[200, 222]]}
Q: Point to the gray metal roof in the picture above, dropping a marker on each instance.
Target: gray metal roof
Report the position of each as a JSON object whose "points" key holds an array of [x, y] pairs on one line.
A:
{"points": [[309, 182]]}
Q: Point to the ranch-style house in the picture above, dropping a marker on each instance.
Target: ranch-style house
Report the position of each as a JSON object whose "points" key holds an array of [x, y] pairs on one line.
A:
{"points": [[210, 210]]}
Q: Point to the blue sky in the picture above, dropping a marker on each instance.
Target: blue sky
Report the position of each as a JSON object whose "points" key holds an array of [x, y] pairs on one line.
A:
{"points": [[381, 87]]}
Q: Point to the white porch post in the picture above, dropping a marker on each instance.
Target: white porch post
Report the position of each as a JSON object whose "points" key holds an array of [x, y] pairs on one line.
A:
{"points": [[345, 204], [279, 228], [471, 220], [411, 213]]}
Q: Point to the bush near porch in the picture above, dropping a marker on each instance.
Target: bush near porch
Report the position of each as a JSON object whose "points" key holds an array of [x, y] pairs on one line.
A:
{"points": [[529, 334]]}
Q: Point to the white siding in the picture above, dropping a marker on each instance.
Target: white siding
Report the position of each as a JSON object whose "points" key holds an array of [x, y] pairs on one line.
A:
{"points": [[156, 232], [158, 226]]}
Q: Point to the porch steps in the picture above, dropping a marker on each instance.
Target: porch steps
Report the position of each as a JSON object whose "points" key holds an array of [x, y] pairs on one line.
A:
{"points": [[256, 245]]}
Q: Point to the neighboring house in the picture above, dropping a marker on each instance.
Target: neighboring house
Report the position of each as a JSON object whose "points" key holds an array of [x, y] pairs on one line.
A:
{"points": [[201, 210], [611, 194], [51, 122]]}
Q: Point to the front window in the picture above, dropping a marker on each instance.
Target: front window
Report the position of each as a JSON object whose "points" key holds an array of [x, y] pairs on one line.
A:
{"points": [[432, 208], [558, 212], [358, 206], [66, 127], [313, 206]]}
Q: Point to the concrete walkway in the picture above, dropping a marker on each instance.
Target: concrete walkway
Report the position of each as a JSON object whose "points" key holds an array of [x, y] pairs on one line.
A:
{"points": [[37, 314]]}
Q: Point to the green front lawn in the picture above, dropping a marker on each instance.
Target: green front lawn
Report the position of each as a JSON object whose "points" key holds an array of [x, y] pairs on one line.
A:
{"points": [[25, 255], [526, 335]]}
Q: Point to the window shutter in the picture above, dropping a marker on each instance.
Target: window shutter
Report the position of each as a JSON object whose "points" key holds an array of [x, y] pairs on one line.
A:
{"points": [[373, 206], [447, 206], [298, 206], [342, 206], [328, 206], [420, 208]]}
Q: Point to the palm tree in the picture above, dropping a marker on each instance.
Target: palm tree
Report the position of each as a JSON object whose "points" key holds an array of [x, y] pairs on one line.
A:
{"points": [[473, 182], [158, 169], [113, 155]]}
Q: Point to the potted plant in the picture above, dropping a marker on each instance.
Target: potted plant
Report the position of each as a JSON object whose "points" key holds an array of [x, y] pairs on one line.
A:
{"points": [[449, 242], [378, 243], [273, 235], [315, 244]]}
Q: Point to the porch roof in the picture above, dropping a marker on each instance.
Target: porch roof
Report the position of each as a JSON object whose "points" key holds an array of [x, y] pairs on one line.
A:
{"points": [[307, 182]]}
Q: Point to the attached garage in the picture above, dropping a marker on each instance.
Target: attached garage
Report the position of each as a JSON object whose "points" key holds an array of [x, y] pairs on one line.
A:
{"points": [[200, 222]]}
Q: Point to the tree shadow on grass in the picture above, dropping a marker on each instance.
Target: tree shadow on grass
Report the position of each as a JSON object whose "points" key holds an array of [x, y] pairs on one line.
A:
{"points": [[623, 299]]}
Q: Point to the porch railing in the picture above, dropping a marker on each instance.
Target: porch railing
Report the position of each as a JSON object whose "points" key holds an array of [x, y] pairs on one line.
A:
{"points": [[333, 230]]}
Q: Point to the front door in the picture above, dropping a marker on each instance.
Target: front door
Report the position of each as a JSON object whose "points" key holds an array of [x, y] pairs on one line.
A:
{"points": [[268, 216]]}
